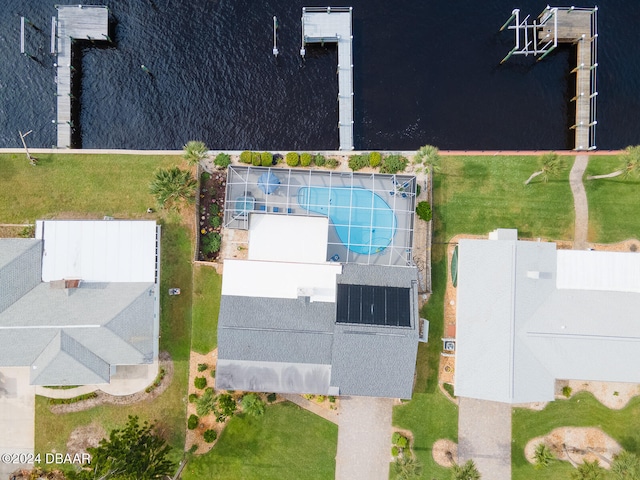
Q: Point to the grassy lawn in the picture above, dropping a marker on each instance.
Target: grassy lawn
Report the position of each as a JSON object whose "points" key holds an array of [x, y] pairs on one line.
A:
{"points": [[478, 194], [582, 410], [207, 289], [74, 184], [614, 210], [90, 186], [287, 442]]}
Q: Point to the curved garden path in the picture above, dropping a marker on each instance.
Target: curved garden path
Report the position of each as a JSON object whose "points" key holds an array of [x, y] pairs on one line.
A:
{"points": [[580, 203]]}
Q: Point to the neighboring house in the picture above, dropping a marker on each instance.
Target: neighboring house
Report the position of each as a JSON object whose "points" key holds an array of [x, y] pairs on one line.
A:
{"points": [[528, 314], [291, 322], [80, 300]]}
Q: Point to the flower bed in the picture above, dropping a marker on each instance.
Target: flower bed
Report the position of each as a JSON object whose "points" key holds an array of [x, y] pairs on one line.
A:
{"points": [[210, 214]]}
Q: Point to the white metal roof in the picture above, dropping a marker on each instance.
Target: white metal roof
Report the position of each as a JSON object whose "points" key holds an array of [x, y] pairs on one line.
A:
{"points": [[98, 250], [609, 271], [254, 278], [286, 238]]}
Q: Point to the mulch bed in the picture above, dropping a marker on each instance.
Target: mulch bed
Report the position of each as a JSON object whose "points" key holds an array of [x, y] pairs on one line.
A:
{"points": [[212, 191]]}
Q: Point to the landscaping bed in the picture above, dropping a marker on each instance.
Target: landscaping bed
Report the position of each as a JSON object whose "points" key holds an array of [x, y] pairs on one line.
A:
{"points": [[210, 212]]}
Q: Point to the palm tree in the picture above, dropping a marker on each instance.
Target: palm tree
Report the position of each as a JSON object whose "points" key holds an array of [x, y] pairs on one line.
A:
{"points": [[588, 471], [194, 151], [407, 467], [252, 405], [551, 165], [170, 185], [626, 466], [632, 166], [543, 455], [430, 156], [468, 471]]}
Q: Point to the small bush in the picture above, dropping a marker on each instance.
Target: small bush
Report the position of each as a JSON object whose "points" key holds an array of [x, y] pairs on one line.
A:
{"points": [[374, 159], [213, 373], [210, 436], [358, 162], [394, 451], [66, 401], [319, 160], [245, 157], [399, 440], [192, 423], [271, 397], [305, 159], [215, 221], [423, 210], [395, 437], [256, 159], [205, 177], [193, 397], [321, 398], [266, 159], [214, 209], [332, 163], [30, 232], [200, 382], [332, 399], [211, 243], [566, 391], [202, 367], [393, 164], [292, 159], [222, 160]]}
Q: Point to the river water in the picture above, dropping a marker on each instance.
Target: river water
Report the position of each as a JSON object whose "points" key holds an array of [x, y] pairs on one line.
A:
{"points": [[426, 71]]}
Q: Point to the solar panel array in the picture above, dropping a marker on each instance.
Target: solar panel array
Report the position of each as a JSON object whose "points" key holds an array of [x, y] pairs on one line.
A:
{"points": [[372, 305]]}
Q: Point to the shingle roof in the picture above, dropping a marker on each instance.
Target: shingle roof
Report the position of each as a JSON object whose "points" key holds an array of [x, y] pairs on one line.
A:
{"points": [[20, 268]]}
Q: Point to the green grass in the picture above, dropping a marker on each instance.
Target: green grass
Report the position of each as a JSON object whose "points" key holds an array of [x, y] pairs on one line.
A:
{"points": [[478, 194], [614, 210], [582, 410], [285, 443], [207, 289], [82, 185]]}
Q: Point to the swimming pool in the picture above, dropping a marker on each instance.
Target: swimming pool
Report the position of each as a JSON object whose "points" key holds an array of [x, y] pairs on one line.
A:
{"points": [[363, 221]]}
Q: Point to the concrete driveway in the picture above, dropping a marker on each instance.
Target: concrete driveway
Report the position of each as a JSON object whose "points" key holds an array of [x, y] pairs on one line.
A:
{"points": [[484, 436], [364, 438], [17, 416]]}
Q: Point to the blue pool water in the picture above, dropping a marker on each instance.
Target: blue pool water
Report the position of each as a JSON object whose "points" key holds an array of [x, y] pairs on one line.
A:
{"points": [[363, 221]]}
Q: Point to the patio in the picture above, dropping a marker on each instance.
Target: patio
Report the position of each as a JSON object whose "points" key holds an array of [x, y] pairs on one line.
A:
{"points": [[357, 217]]}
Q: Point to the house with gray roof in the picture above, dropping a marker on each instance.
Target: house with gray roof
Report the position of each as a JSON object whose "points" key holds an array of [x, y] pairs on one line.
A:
{"points": [[313, 326], [529, 314], [80, 299]]}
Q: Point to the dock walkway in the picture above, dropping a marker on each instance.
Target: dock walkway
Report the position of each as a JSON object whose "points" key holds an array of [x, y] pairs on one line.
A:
{"points": [[333, 25], [75, 22]]}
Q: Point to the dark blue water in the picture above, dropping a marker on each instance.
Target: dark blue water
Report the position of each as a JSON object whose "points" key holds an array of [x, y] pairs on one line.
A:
{"points": [[426, 71]]}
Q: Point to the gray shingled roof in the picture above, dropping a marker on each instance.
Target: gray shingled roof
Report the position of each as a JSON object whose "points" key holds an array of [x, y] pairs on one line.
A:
{"points": [[20, 268], [293, 346]]}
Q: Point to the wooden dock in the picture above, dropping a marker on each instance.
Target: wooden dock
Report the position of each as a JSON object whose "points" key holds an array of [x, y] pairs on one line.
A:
{"points": [[75, 22], [333, 25], [577, 27]]}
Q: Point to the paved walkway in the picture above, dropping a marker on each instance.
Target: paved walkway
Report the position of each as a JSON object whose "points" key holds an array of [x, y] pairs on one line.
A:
{"points": [[484, 436], [364, 438], [17, 416], [580, 203]]}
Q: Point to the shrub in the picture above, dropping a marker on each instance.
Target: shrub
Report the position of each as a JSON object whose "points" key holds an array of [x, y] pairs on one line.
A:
{"points": [[192, 423], [202, 367], [399, 440], [256, 159], [214, 209], [213, 373], [193, 397], [205, 177], [542, 455], [305, 159], [395, 437], [423, 210], [30, 232], [393, 164], [245, 157], [332, 163], [215, 221], [332, 399], [319, 160], [66, 401], [292, 159], [394, 451], [253, 405], [226, 407], [321, 398], [222, 160], [418, 189], [374, 159], [358, 162], [566, 391], [210, 436], [200, 382], [266, 159], [211, 243], [206, 403], [271, 397]]}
